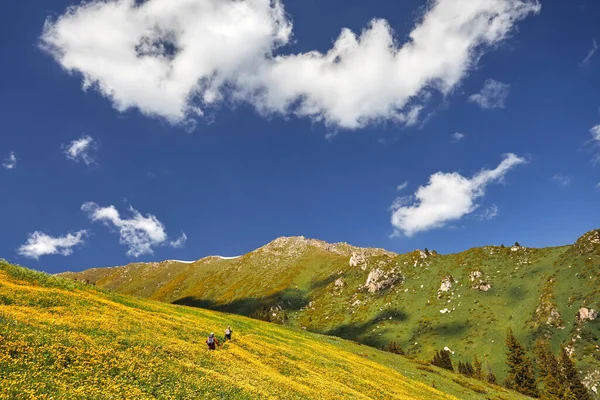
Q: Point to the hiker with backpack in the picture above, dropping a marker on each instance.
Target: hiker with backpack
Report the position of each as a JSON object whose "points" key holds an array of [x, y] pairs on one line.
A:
{"points": [[228, 332], [212, 341]]}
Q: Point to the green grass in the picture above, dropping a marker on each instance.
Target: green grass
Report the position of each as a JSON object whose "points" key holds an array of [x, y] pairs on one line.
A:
{"points": [[299, 275], [60, 339]]}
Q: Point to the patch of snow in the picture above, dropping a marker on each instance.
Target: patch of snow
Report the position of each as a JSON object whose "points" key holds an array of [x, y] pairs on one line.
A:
{"points": [[182, 262], [228, 258]]}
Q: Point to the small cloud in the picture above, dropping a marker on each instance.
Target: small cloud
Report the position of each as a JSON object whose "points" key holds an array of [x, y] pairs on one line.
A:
{"points": [[402, 186], [180, 242], [493, 95], [562, 180], [457, 137], [140, 234], [593, 50], [446, 198], [489, 213], [595, 131], [10, 162], [81, 149], [39, 244]]}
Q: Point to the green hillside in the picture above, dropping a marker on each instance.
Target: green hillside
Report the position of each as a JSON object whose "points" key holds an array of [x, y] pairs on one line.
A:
{"points": [[67, 340], [422, 300]]}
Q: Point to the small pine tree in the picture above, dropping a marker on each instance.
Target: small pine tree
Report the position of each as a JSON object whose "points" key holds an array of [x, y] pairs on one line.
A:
{"points": [[553, 390], [465, 369], [477, 369], [520, 368], [490, 376], [568, 395], [571, 379], [442, 359], [502, 246], [393, 347], [517, 244], [469, 369], [548, 371], [447, 360]]}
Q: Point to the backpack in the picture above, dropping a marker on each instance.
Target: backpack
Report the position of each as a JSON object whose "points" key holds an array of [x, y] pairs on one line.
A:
{"points": [[211, 340]]}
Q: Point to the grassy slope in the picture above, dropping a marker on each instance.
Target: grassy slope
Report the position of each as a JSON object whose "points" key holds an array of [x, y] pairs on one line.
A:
{"points": [[299, 275], [61, 339]]}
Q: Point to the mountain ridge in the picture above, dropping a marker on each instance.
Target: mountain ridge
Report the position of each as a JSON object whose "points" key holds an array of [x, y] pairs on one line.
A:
{"points": [[64, 339], [423, 300]]}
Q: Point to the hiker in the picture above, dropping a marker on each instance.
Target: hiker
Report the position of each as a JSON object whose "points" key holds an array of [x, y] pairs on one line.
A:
{"points": [[212, 341], [228, 332]]}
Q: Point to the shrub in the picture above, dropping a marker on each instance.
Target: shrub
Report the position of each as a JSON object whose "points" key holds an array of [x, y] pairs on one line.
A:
{"points": [[393, 347]]}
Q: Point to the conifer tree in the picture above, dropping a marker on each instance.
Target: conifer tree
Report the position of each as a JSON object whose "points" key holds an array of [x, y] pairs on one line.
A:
{"points": [[394, 347], [568, 395], [465, 368], [552, 390], [520, 368], [477, 369], [447, 360], [571, 380], [548, 371], [490, 376], [442, 359]]}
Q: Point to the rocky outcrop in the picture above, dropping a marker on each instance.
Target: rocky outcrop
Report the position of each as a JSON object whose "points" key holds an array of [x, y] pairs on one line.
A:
{"points": [[479, 282], [482, 286], [588, 243], [446, 284], [475, 275], [358, 260], [587, 314], [380, 280], [339, 283]]}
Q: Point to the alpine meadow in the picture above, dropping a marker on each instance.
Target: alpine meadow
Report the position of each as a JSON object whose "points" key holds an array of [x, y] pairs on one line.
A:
{"points": [[286, 200]]}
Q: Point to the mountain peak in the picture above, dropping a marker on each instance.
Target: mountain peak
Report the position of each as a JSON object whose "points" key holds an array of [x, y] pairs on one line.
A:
{"points": [[294, 244], [589, 242]]}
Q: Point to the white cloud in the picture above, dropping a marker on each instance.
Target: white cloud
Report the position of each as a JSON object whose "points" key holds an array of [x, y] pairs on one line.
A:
{"points": [[595, 131], [562, 180], [402, 186], [10, 162], [457, 137], [180, 242], [39, 244], [593, 50], [489, 213], [80, 149], [139, 233], [176, 59], [447, 197], [493, 95]]}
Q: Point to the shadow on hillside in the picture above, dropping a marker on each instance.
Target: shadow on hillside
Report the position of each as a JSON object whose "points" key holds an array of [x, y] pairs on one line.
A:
{"points": [[318, 284], [364, 332], [451, 329], [289, 300]]}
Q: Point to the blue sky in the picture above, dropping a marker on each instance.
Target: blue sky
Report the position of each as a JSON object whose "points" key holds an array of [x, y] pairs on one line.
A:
{"points": [[230, 126]]}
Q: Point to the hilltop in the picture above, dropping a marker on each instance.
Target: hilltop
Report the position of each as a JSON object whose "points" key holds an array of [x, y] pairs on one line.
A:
{"points": [[423, 300], [63, 339]]}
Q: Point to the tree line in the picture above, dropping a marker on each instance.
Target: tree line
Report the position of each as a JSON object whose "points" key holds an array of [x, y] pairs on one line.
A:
{"points": [[557, 376]]}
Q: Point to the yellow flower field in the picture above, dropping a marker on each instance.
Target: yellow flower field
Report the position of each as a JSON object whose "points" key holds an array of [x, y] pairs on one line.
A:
{"points": [[64, 340]]}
